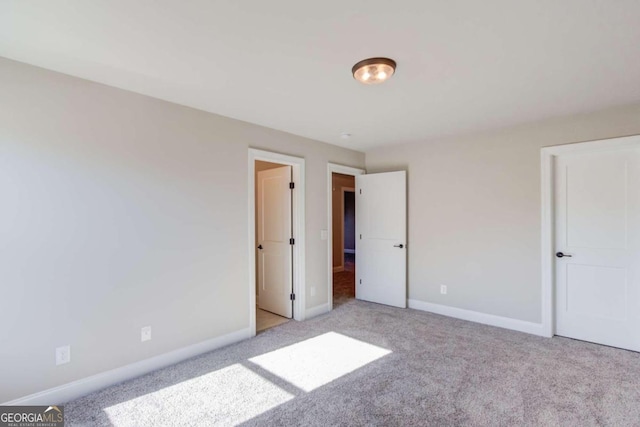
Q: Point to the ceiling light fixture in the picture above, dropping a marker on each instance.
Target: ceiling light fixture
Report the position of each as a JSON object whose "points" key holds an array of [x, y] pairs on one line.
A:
{"points": [[373, 71]]}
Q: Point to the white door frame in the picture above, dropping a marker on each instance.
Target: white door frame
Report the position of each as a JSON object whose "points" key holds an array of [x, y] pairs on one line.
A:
{"points": [[298, 218], [548, 156], [344, 170]]}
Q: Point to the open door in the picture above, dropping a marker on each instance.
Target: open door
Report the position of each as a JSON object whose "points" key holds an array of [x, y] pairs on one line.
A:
{"points": [[381, 229], [274, 250]]}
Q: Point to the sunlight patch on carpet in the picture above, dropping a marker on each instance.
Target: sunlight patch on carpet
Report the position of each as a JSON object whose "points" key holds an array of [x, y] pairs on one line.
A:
{"points": [[318, 361], [228, 396]]}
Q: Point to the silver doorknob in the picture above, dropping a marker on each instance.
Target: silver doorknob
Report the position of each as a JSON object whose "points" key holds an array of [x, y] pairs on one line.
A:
{"points": [[399, 246]]}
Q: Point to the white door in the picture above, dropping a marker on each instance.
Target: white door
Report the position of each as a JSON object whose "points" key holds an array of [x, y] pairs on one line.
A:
{"points": [[274, 251], [381, 230], [598, 247]]}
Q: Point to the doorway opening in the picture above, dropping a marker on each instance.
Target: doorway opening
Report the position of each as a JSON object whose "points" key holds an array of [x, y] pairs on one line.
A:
{"points": [[274, 252], [276, 239], [342, 234]]}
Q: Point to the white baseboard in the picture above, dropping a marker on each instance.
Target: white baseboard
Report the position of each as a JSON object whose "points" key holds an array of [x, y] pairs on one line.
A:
{"points": [[475, 316], [84, 386], [317, 310], [349, 251]]}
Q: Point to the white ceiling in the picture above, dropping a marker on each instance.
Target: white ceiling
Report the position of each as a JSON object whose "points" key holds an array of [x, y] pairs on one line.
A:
{"points": [[463, 66]]}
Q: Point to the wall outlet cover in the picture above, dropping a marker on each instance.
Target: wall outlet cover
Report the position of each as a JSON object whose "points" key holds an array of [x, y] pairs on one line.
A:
{"points": [[63, 355], [145, 334], [443, 289]]}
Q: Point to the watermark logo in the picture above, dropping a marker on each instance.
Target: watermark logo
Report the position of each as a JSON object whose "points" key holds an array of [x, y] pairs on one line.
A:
{"points": [[31, 416]]}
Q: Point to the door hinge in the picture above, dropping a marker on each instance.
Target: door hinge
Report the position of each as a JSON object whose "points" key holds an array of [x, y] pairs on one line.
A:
{"points": [[361, 281], [292, 297], [361, 237], [361, 191], [292, 241], [292, 185]]}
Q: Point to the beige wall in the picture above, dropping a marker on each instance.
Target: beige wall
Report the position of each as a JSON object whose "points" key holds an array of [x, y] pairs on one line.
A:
{"points": [[474, 210], [339, 182], [121, 211]]}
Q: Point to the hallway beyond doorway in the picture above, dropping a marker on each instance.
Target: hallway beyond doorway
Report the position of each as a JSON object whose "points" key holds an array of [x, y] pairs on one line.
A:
{"points": [[344, 282]]}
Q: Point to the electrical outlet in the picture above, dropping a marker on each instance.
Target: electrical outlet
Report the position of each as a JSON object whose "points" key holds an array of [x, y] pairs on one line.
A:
{"points": [[443, 289], [313, 291], [63, 355], [145, 334]]}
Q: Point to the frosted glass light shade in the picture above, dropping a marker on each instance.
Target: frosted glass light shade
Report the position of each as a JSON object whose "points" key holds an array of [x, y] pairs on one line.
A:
{"points": [[373, 70]]}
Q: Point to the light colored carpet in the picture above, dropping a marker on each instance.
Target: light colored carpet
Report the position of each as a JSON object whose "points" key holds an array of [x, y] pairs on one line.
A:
{"points": [[266, 320], [367, 364]]}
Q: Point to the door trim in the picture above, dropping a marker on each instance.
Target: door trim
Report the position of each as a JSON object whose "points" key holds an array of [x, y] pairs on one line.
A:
{"points": [[345, 170], [547, 161], [298, 218]]}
